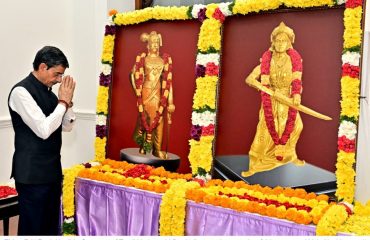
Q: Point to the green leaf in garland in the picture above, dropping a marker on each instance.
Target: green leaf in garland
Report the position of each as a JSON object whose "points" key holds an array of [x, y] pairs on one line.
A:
{"points": [[349, 119], [189, 12], [69, 228], [352, 49], [231, 6], [204, 109]]}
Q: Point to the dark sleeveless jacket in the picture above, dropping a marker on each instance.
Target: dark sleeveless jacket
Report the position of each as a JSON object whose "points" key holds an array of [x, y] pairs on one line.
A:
{"points": [[36, 161]]}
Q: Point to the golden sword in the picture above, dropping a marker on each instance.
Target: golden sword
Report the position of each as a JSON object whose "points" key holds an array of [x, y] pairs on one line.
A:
{"points": [[287, 101]]}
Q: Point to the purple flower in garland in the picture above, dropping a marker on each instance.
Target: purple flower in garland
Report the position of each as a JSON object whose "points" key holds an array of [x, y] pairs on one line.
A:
{"points": [[101, 131], [200, 70], [105, 80], [202, 14], [196, 132], [110, 30]]}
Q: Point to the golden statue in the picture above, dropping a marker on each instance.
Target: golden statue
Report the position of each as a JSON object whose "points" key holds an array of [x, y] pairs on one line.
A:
{"points": [[151, 79], [280, 124]]}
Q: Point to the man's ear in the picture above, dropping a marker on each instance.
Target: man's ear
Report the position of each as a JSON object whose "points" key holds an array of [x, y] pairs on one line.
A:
{"points": [[43, 66]]}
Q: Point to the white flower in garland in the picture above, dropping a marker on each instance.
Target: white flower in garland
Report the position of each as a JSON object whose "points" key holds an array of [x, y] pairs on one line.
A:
{"points": [[69, 220], [101, 120], [94, 164], [224, 8], [340, 2], [106, 69], [348, 129], [203, 59], [196, 9], [352, 58], [203, 119], [110, 21]]}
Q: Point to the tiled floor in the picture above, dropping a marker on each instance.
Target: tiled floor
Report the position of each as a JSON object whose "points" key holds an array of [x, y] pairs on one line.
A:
{"points": [[13, 226]]}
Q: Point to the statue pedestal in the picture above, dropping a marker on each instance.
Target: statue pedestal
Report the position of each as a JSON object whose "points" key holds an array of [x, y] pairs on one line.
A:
{"points": [[132, 155], [309, 177]]}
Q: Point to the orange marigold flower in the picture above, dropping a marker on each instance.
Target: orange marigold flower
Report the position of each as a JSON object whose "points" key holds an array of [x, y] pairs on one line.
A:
{"points": [[228, 183], [277, 190], [214, 182], [271, 210], [291, 214], [300, 193], [239, 184], [225, 202], [289, 192], [112, 12], [322, 197], [310, 196]]}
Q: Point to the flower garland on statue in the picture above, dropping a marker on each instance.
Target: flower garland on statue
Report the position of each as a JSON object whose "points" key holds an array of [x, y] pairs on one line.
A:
{"points": [[165, 85], [266, 99]]}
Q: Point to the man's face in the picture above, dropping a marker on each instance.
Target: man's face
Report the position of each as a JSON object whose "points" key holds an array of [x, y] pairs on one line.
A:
{"points": [[52, 75]]}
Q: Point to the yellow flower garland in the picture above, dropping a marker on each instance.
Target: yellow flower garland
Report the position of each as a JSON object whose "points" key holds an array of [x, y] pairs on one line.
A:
{"points": [[210, 35], [68, 189], [330, 223], [108, 45], [100, 144], [201, 153], [352, 27], [172, 209], [205, 94], [102, 100]]}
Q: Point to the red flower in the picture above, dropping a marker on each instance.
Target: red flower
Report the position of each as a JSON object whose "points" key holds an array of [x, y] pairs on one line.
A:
{"points": [[211, 69], [349, 70], [6, 191], [209, 130], [346, 145], [265, 62], [138, 170], [218, 15], [296, 86], [296, 60], [353, 3], [200, 181]]}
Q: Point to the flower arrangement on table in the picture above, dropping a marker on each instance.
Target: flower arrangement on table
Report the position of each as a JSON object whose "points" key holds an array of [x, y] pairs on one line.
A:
{"points": [[207, 73], [295, 205], [6, 191]]}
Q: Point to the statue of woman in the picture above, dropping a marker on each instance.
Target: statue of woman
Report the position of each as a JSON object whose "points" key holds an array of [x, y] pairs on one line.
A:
{"points": [[279, 125], [151, 79]]}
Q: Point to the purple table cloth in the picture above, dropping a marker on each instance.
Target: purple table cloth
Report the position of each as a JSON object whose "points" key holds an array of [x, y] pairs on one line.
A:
{"points": [[107, 209]]}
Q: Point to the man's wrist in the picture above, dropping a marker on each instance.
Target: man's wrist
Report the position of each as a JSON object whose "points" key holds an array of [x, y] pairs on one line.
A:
{"points": [[64, 103]]}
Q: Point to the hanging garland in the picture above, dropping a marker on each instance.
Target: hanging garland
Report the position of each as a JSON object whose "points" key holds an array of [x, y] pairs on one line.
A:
{"points": [[266, 99]]}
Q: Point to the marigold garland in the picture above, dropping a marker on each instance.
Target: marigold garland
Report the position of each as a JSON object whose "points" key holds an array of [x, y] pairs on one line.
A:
{"points": [[350, 92], [68, 199], [172, 209], [330, 223]]}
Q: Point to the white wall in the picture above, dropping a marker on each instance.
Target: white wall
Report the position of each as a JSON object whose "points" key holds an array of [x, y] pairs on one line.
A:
{"points": [[77, 28], [363, 150]]}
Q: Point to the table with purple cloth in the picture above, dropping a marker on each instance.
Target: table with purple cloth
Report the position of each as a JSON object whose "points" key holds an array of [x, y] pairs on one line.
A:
{"points": [[107, 209]]}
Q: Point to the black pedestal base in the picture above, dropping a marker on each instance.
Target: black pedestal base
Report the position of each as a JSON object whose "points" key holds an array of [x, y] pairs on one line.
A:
{"points": [[309, 177], [132, 155]]}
